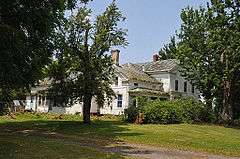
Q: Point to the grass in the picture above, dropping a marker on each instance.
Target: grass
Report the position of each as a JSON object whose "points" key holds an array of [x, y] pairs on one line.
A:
{"points": [[201, 138], [20, 147], [41, 135], [32, 136]]}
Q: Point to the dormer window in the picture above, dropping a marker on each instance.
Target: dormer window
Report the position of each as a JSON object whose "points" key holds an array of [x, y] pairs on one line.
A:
{"points": [[135, 84]]}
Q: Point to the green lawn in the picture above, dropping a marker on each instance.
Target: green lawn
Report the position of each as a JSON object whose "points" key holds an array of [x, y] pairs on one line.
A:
{"points": [[33, 136], [20, 147]]}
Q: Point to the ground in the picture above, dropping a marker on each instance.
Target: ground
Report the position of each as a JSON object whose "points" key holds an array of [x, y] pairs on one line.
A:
{"points": [[53, 137]]}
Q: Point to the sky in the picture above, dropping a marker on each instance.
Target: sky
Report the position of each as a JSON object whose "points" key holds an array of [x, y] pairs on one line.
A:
{"points": [[150, 24]]}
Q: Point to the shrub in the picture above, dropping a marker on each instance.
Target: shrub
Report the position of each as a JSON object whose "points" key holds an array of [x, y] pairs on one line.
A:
{"points": [[236, 122], [162, 112], [131, 114], [176, 111]]}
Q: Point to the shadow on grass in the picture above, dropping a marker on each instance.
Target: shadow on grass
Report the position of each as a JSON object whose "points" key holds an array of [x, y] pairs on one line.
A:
{"points": [[101, 136]]}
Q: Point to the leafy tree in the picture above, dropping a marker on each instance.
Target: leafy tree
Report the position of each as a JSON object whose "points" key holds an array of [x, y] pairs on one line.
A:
{"points": [[26, 30], [209, 51], [169, 50], [83, 68]]}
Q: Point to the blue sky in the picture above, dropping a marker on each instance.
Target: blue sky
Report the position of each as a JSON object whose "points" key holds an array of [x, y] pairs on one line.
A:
{"points": [[150, 24]]}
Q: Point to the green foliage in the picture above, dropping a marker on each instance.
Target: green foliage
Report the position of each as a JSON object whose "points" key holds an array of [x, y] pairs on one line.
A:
{"points": [[175, 111], [130, 114], [27, 30], [209, 52], [169, 51], [141, 102], [83, 68], [236, 122]]}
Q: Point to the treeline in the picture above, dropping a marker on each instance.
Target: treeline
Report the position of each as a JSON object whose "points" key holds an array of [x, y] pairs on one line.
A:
{"points": [[208, 49]]}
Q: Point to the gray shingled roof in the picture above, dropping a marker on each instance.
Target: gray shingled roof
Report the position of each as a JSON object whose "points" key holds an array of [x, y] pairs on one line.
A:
{"points": [[162, 65], [131, 72], [139, 71]]}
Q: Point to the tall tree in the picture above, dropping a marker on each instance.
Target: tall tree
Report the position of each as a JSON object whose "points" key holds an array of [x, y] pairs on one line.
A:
{"points": [[26, 45], [209, 51], [83, 68]]}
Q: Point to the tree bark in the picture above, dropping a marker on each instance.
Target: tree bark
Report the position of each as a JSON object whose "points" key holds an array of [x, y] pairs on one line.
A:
{"points": [[227, 111], [87, 98]]}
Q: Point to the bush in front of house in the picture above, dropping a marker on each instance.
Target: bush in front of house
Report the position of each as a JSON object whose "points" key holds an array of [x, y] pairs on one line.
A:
{"points": [[176, 111], [131, 114]]}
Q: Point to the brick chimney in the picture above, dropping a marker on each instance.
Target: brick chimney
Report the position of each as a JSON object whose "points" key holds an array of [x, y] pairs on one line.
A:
{"points": [[155, 58], [115, 56]]}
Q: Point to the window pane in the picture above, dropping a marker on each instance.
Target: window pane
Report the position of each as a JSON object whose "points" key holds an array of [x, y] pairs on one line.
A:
{"points": [[193, 88], [176, 85], [135, 84], [119, 100], [185, 86], [119, 97], [119, 104]]}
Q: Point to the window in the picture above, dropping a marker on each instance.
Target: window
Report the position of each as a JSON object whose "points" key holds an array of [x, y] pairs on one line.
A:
{"points": [[135, 84], [39, 100], [185, 86], [119, 100], [176, 85], [116, 81], [193, 91]]}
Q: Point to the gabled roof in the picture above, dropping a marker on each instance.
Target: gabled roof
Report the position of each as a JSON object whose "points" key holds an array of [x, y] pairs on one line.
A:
{"points": [[139, 71], [160, 66], [132, 73]]}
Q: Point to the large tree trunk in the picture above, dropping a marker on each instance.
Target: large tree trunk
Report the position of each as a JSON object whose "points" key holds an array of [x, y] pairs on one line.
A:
{"points": [[236, 95], [87, 98], [227, 111]]}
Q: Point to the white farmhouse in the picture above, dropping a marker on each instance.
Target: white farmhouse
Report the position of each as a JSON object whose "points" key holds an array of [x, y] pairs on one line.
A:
{"points": [[158, 79]]}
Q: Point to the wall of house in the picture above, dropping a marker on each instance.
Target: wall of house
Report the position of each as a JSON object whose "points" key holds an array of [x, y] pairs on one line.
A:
{"points": [[76, 108], [163, 77], [45, 104], [30, 103], [112, 107], [168, 80], [146, 85], [181, 80]]}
